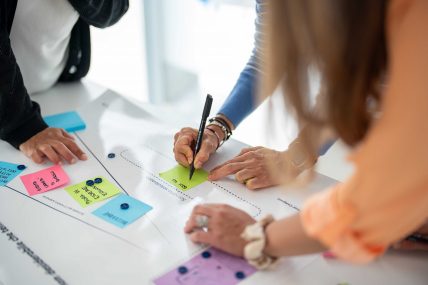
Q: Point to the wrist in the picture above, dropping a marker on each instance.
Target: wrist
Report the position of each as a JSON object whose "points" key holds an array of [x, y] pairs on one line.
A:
{"points": [[217, 130], [220, 128], [299, 156]]}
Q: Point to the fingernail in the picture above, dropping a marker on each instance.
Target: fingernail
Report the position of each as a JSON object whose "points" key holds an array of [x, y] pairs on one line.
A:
{"points": [[328, 255], [84, 157], [73, 161], [210, 177]]}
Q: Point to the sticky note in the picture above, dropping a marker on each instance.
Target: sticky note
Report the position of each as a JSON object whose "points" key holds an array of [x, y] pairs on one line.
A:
{"points": [[179, 177], [45, 180], [69, 121], [8, 171], [122, 210], [92, 190], [212, 266]]}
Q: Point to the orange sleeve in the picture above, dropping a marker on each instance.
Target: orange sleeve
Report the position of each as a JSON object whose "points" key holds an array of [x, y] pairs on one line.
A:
{"points": [[387, 196]]}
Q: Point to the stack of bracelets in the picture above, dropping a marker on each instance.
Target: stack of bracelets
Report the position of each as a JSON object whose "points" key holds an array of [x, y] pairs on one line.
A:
{"points": [[223, 125]]}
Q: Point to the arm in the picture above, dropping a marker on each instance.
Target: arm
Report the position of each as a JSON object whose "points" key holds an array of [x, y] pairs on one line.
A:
{"points": [[386, 199], [21, 123], [100, 13], [20, 117], [243, 98]]}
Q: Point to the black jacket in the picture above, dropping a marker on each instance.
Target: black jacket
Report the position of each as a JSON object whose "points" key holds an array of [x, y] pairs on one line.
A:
{"points": [[20, 117]]}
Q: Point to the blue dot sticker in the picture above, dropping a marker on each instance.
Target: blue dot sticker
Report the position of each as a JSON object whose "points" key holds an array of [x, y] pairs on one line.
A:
{"points": [[89, 182], [124, 206], [240, 275], [21, 167], [206, 254], [111, 155], [182, 270], [98, 180]]}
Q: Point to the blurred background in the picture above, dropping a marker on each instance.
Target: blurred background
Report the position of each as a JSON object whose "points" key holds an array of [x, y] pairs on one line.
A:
{"points": [[171, 53]]}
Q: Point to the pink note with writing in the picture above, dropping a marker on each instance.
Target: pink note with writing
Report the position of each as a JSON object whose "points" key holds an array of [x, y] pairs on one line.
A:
{"points": [[45, 180]]}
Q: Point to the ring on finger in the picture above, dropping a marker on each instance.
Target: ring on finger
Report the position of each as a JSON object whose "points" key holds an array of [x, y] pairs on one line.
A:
{"points": [[202, 221], [245, 181]]}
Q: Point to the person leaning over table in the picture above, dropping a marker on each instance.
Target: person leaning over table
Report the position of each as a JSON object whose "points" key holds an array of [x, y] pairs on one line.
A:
{"points": [[374, 78], [42, 42], [250, 165]]}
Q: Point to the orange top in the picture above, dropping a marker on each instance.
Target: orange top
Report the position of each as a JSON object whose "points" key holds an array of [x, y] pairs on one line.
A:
{"points": [[387, 196]]}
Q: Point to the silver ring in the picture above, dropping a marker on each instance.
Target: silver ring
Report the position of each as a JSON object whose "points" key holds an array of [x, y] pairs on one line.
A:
{"points": [[202, 221]]}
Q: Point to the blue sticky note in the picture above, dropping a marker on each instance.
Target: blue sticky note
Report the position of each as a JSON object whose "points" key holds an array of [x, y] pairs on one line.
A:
{"points": [[8, 171], [122, 210], [69, 121]]}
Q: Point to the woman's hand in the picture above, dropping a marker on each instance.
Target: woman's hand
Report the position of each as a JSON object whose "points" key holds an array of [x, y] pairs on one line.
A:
{"points": [[224, 227], [54, 144], [257, 167], [409, 244], [185, 139]]}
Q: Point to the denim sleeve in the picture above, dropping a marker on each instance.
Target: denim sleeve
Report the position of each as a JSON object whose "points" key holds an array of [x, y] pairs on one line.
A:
{"points": [[242, 100]]}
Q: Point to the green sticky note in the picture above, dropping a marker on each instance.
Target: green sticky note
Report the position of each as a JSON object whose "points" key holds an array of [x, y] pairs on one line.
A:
{"points": [[92, 190], [179, 177]]}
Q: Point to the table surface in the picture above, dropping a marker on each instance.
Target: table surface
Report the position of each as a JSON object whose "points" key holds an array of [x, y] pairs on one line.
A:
{"points": [[394, 268]]}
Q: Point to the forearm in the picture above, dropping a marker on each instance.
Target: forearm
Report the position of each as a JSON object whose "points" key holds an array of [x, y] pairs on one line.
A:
{"points": [[20, 118], [286, 237]]}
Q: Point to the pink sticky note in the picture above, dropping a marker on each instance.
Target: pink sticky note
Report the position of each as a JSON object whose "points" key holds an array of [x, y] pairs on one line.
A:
{"points": [[45, 180]]}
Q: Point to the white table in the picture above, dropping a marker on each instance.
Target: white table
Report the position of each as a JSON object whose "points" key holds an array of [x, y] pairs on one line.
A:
{"points": [[83, 250]]}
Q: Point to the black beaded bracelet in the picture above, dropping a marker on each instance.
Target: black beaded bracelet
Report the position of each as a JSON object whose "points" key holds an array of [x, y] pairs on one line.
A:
{"points": [[223, 125]]}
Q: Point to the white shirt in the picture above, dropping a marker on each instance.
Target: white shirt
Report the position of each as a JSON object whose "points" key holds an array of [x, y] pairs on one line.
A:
{"points": [[39, 37]]}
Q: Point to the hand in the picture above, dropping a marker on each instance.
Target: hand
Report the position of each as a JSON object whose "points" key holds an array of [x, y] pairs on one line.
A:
{"points": [[414, 245], [257, 167], [54, 144], [186, 138], [225, 225]]}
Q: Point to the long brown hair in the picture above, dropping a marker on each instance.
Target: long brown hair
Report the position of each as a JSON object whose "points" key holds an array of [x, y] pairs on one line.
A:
{"points": [[344, 40]]}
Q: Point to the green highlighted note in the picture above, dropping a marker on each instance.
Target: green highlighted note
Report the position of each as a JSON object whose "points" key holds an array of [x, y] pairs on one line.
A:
{"points": [[92, 190], [179, 177]]}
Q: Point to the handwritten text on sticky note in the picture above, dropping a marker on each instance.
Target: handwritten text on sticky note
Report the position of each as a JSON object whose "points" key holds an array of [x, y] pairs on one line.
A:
{"points": [[8, 171], [122, 210], [45, 180], [92, 190], [179, 177]]}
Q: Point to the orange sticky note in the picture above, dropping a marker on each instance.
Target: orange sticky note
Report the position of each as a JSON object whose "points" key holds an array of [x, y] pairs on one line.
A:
{"points": [[45, 180]]}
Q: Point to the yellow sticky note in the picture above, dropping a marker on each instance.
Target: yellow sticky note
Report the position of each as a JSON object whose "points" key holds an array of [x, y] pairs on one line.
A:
{"points": [[179, 177], [92, 190]]}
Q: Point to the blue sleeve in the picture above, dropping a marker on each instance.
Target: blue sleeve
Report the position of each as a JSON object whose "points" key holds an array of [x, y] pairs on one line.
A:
{"points": [[242, 100]]}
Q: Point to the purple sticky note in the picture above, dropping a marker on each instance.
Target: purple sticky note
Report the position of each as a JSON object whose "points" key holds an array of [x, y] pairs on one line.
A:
{"points": [[211, 267]]}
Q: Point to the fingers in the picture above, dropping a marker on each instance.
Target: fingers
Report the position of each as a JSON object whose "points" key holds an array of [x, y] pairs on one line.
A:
{"points": [[66, 134], [257, 183], [64, 152], [183, 152], [198, 210], [54, 144], [75, 149], [201, 237], [50, 153], [209, 146], [226, 169], [183, 141], [248, 149], [37, 157]]}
